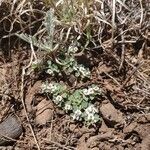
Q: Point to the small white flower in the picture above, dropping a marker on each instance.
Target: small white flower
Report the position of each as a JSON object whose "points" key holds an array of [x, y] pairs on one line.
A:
{"points": [[75, 67], [75, 49], [96, 88], [49, 71], [91, 109], [68, 107], [52, 87], [44, 87], [72, 49], [58, 99], [90, 91], [78, 112], [87, 73], [76, 115], [90, 117], [85, 92], [82, 70]]}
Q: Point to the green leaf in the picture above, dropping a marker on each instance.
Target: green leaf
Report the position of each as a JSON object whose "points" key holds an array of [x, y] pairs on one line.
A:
{"points": [[71, 98], [75, 107], [77, 94], [50, 26], [84, 104]]}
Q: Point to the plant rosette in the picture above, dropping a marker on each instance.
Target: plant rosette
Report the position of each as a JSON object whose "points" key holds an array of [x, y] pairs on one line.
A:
{"points": [[77, 103]]}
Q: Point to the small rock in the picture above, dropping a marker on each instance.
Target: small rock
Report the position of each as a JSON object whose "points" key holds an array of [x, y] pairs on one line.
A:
{"points": [[44, 112], [110, 115], [31, 93], [10, 128]]}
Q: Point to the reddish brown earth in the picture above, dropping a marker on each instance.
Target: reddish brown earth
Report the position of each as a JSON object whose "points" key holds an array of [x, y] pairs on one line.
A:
{"points": [[125, 121], [124, 105]]}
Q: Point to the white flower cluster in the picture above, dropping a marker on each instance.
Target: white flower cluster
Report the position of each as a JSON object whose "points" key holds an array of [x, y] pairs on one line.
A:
{"points": [[84, 72], [86, 112], [58, 99], [75, 67], [49, 71], [77, 114], [68, 107], [91, 109], [91, 90], [90, 113], [49, 87], [72, 49], [96, 88]]}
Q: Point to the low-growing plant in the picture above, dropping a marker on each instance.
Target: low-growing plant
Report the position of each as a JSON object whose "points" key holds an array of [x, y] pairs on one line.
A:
{"points": [[78, 103], [68, 66]]}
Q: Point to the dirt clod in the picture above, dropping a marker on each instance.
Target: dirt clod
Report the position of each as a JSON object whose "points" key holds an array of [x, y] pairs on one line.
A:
{"points": [[44, 112], [31, 93], [110, 115]]}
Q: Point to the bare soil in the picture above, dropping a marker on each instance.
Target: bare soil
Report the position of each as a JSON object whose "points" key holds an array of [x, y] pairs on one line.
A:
{"points": [[124, 106], [125, 121]]}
